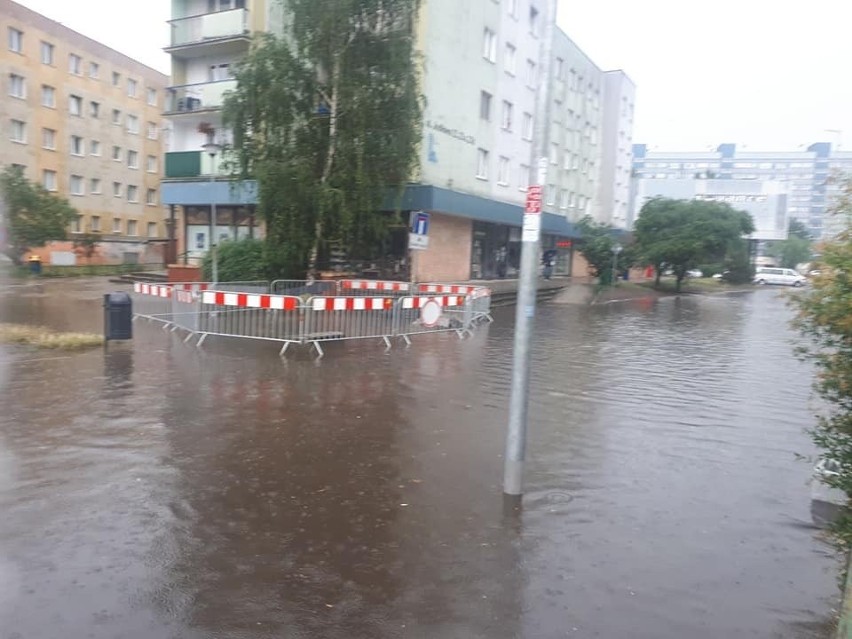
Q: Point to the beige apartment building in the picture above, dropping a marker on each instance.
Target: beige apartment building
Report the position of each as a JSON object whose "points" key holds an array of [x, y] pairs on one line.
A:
{"points": [[85, 122]]}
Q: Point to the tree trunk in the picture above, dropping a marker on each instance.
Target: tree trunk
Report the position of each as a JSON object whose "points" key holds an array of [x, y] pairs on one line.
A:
{"points": [[657, 272], [329, 164], [677, 282]]}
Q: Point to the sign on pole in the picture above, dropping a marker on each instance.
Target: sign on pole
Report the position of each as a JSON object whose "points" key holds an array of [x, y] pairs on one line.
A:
{"points": [[532, 214], [418, 238]]}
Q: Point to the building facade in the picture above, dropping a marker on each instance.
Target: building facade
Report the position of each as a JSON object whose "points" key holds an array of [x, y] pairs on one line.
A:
{"points": [[480, 75], [806, 174], [614, 199], [85, 121]]}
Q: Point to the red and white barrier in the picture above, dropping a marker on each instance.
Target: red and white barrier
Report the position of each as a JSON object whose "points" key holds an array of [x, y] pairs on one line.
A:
{"points": [[374, 285], [441, 300], [156, 290], [454, 289], [249, 300], [351, 303]]}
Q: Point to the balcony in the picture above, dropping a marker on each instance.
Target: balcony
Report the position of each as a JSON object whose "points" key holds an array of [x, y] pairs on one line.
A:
{"points": [[218, 33], [182, 165], [197, 98]]}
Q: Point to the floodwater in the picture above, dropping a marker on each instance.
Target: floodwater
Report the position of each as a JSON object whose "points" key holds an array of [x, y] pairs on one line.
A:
{"points": [[155, 491]]}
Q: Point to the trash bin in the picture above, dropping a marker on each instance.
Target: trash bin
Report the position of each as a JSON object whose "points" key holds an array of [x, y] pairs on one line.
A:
{"points": [[118, 316], [35, 264]]}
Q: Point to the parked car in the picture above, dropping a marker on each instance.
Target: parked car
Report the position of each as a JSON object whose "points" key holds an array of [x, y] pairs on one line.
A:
{"points": [[779, 276], [694, 273]]}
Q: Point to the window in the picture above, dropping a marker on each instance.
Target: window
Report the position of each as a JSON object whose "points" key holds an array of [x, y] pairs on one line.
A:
{"points": [[48, 180], [132, 124], [94, 147], [133, 159], [95, 224], [152, 130], [534, 21], [151, 164], [510, 58], [550, 194], [95, 186], [77, 185], [132, 196], [523, 176], [506, 120], [152, 229], [116, 116], [47, 53], [572, 81], [558, 69], [48, 96], [485, 105], [151, 197], [75, 64], [116, 189], [116, 153], [563, 199], [48, 139], [95, 109], [77, 145], [219, 72], [18, 132], [116, 78], [554, 153], [513, 8], [152, 97], [131, 227], [94, 70], [527, 126], [503, 171], [77, 224], [131, 88], [16, 40], [17, 86], [531, 74], [489, 45], [75, 105], [482, 164], [116, 225]]}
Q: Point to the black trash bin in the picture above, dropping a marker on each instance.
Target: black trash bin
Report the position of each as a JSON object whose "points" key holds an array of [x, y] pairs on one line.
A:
{"points": [[118, 316]]}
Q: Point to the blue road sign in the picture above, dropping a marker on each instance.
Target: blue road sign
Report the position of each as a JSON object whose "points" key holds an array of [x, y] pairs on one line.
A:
{"points": [[419, 223]]}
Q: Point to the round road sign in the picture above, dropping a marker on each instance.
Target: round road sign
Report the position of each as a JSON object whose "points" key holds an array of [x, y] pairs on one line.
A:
{"points": [[430, 313]]}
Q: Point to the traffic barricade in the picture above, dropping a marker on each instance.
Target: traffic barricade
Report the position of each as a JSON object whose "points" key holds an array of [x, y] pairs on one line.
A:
{"points": [[152, 301], [370, 288], [430, 314], [303, 288], [342, 318], [267, 317]]}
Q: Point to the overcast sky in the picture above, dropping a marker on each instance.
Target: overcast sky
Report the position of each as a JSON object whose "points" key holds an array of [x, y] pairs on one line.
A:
{"points": [[768, 74]]}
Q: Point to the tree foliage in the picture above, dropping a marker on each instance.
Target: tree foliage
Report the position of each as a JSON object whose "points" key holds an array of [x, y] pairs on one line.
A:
{"points": [[237, 261], [32, 215], [824, 317], [327, 120], [596, 246], [795, 249], [681, 234]]}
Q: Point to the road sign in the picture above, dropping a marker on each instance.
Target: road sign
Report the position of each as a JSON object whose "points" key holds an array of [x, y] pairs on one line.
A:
{"points": [[419, 223], [533, 206], [418, 242]]}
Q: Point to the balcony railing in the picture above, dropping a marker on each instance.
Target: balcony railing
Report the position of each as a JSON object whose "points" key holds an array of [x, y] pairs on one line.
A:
{"points": [[193, 164], [198, 97], [209, 27]]}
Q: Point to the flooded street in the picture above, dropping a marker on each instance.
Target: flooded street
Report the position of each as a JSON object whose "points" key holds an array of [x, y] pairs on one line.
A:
{"points": [[156, 491]]}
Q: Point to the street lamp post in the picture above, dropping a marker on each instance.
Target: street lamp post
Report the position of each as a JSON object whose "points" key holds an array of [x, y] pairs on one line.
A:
{"points": [[616, 249], [212, 149]]}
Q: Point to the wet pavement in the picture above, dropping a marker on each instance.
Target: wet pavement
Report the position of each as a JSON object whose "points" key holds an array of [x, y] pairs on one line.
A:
{"points": [[155, 491]]}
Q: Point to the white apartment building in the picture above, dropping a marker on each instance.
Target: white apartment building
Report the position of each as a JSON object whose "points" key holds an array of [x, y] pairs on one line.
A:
{"points": [[613, 201], [481, 70]]}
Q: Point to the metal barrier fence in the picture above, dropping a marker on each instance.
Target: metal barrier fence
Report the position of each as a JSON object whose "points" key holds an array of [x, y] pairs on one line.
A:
{"points": [[302, 316]]}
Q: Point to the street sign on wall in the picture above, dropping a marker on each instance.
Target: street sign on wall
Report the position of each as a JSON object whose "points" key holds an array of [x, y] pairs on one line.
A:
{"points": [[418, 238]]}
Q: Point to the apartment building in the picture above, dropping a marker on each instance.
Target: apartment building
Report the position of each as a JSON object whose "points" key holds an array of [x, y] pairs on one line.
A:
{"points": [[613, 199], [481, 71], [85, 121], [805, 173]]}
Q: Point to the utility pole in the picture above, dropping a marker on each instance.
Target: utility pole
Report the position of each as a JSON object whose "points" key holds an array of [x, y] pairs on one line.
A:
{"points": [[516, 435]]}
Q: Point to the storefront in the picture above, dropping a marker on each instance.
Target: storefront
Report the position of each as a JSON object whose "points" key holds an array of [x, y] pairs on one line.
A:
{"points": [[232, 223]]}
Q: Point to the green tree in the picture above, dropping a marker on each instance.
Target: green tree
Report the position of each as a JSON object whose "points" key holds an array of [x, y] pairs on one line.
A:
{"points": [[327, 120], [32, 215], [795, 249], [596, 247], [681, 234], [824, 317], [237, 261]]}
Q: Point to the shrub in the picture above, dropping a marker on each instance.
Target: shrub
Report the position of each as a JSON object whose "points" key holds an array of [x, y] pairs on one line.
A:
{"points": [[238, 261]]}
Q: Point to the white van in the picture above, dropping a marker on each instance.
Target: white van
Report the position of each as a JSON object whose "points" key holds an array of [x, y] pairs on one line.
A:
{"points": [[782, 276]]}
